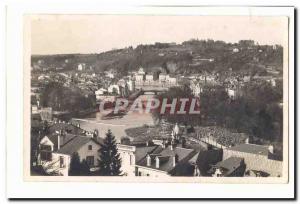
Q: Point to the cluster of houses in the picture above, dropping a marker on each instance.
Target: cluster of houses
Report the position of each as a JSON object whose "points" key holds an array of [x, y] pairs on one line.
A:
{"points": [[233, 84], [157, 157], [122, 88], [150, 79]]}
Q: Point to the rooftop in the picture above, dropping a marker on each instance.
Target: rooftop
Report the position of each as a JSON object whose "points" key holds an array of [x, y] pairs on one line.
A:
{"points": [[251, 148], [73, 145], [167, 154], [230, 164]]}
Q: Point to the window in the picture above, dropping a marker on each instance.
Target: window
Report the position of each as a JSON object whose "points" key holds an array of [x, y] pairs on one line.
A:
{"points": [[45, 148], [90, 147], [46, 154], [61, 162], [90, 160]]}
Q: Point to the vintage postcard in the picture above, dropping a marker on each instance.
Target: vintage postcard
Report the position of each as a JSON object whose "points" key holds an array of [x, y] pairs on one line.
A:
{"points": [[156, 98]]}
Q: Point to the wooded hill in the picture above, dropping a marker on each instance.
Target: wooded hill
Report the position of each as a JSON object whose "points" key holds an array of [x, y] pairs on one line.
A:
{"points": [[190, 57]]}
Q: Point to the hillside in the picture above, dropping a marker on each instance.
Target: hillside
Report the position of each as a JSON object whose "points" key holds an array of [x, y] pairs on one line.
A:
{"points": [[190, 57]]}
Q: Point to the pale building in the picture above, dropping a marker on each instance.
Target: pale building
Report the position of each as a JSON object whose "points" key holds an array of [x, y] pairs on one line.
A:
{"points": [[56, 150], [131, 85], [81, 67], [231, 93], [235, 50], [110, 75], [127, 155], [114, 89], [171, 80], [100, 92], [141, 71], [149, 78], [139, 78], [162, 77]]}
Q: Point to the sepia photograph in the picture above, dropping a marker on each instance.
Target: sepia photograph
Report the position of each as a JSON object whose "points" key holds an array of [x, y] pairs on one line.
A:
{"points": [[138, 97]]}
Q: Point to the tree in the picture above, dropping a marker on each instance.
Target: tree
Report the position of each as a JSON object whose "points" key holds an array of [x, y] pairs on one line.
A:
{"points": [[110, 162], [75, 165], [84, 168]]}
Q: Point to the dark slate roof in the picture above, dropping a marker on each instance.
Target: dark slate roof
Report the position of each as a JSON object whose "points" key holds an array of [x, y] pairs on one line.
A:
{"points": [[63, 139], [230, 164], [141, 152], [251, 148], [167, 154], [70, 128], [73, 145]]}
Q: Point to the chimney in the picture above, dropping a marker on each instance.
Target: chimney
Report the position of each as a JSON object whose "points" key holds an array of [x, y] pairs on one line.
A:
{"points": [[163, 144], [148, 160], [175, 160], [171, 147], [157, 162], [271, 149], [58, 141], [247, 141]]}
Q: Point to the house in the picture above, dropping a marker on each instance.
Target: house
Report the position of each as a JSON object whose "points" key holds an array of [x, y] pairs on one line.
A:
{"points": [[256, 157], [149, 78], [162, 77], [131, 85], [139, 79], [100, 92], [81, 67], [204, 159], [196, 88], [110, 73], [34, 109], [166, 161], [131, 155], [107, 97], [56, 150], [148, 159], [141, 71], [46, 113], [172, 80], [231, 93], [247, 78], [231, 167], [113, 88], [235, 50]]}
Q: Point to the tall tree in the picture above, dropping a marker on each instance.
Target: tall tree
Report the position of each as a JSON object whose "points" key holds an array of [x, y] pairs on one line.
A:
{"points": [[75, 165], [110, 161]]}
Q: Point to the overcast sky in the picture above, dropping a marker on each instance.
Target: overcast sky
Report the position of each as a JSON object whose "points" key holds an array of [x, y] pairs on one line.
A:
{"points": [[62, 34]]}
